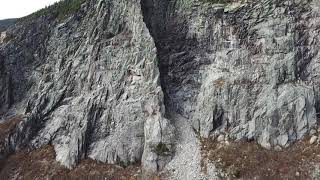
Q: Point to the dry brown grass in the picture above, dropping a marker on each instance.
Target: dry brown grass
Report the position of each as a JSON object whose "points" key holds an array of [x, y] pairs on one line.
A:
{"points": [[219, 82], [41, 164], [9, 125], [248, 160]]}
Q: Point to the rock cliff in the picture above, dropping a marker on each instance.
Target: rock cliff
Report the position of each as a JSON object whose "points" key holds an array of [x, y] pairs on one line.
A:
{"points": [[247, 70], [89, 85], [104, 82]]}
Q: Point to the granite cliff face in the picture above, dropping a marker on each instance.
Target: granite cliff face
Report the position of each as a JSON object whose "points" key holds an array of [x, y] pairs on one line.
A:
{"points": [[245, 70], [88, 85], [104, 83], [263, 80]]}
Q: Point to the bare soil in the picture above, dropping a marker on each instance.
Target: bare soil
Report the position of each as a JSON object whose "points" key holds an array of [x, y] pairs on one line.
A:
{"points": [[41, 164], [247, 160]]}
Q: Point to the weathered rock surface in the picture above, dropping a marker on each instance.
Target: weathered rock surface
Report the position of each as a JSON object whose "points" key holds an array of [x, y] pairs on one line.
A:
{"points": [[91, 86], [263, 80], [247, 70]]}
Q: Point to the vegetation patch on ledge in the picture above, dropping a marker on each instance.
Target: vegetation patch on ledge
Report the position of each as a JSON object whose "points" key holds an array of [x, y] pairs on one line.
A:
{"points": [[162, 149], [41, 164], [248, 160]]}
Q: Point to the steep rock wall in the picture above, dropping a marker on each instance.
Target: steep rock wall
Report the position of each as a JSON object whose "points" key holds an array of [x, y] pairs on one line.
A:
{"points": [[262, 83], [89, 85], [248, 70]]}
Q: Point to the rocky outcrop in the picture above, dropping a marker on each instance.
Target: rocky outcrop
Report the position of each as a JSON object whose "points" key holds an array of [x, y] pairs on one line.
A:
{"points": [[89, 84], [247, 70], [262, 83], [2, 37], [95, 85]]}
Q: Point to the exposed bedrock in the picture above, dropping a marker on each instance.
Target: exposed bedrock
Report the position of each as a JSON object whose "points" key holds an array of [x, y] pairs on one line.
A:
{"points": [[246, 70], [89, 86], [263, 81], [97, 84]]}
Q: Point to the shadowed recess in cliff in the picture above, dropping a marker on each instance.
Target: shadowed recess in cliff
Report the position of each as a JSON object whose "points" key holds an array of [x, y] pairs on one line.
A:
{"points": [[175, 53], [150, 15]]}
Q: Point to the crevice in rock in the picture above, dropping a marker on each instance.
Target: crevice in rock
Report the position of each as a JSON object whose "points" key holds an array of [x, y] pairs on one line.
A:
{"points": [[175, 51], [150, 14], [317, 107]]}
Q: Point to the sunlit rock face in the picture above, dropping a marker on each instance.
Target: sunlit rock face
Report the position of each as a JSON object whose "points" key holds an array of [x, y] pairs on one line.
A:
{"points": [[98, 83], [2, 36], [246, 70], [262, 82], [89, 85]]}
